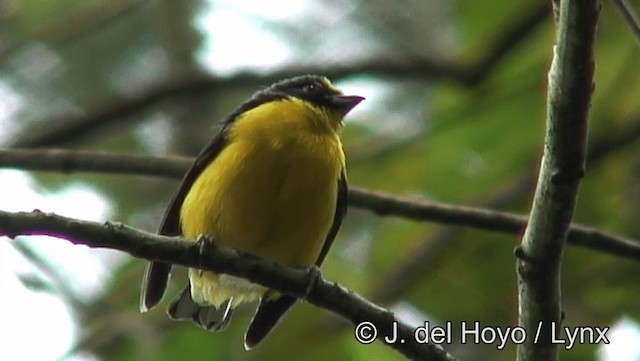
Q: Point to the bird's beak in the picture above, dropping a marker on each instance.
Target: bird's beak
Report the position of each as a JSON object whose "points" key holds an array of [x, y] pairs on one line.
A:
{"points": [[346, 102]]}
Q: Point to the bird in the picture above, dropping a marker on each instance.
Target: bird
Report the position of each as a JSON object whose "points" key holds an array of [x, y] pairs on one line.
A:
{"points": [[271, 182]]}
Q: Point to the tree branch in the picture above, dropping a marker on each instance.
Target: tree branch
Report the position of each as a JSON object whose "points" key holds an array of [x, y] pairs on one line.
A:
{"points": [[563, 162], [300, 283], [70, 161], [419, 264], [66, 128], [378, 202]]}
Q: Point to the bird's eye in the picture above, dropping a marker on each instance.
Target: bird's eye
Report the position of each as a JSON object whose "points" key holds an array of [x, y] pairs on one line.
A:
{"points": [[309, 88]]}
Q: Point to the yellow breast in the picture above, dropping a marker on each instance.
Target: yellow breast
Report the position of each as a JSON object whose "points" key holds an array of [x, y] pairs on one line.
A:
{"points": [[271, 191]]}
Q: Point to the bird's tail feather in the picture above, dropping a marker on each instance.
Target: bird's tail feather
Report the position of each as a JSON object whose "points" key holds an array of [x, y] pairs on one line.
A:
{"points": [[210, 318], [269, 312]]}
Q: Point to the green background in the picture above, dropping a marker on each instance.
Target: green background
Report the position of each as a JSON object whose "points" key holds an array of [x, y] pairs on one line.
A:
{"points": [[447, 134]]}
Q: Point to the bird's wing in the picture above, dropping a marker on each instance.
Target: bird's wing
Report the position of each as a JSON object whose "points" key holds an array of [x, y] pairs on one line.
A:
{"points": [[271, 310], [341, 211], [156, 275]]}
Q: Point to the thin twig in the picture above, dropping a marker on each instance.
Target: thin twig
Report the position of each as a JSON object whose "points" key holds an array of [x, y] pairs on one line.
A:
{"points": [[629, 15]]}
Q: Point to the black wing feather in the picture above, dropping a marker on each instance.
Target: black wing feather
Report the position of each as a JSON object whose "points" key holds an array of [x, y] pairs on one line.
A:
{"points": [[341, 211], [157, 274]]}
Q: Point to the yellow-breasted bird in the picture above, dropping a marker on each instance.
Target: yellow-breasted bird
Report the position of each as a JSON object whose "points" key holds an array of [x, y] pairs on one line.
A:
{"points": [[272, 182]]}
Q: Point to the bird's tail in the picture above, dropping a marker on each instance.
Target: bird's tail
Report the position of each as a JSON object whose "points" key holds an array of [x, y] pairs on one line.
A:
{"points": [[268, 314], [210, 318]]}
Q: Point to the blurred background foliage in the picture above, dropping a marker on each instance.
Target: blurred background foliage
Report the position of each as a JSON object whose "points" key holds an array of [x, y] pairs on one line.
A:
{"points": [[455, 113]]}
